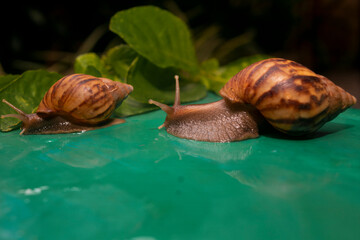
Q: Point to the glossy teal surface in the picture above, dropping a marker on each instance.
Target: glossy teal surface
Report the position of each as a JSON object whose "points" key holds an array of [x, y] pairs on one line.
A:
{"points": [[133, 181]]}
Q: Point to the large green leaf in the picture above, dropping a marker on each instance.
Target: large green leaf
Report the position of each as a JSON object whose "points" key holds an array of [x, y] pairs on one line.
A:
{"points": [[6, 80], [153, 82], [25, 92], [157, 35]]}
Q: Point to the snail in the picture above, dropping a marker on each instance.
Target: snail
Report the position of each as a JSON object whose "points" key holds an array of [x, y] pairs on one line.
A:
{"points": [[285, 94], [75, 103]]}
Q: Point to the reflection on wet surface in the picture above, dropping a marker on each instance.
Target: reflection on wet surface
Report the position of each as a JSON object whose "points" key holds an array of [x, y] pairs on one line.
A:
{"points": [[136, 182]]}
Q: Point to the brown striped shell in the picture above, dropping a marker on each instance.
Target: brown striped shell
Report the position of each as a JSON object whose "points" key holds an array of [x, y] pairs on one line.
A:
{"points": [[83, 98], [292, 98]]}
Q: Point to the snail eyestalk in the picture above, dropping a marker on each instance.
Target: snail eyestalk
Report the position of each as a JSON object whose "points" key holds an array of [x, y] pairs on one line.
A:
{"points": [[21, 115], [177, 91], [27, 119], [169, 110], [163, 106]]}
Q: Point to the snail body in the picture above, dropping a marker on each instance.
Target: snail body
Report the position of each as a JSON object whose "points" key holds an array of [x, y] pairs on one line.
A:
{"points": [[289, 96], [212, 122], [76, 102]]}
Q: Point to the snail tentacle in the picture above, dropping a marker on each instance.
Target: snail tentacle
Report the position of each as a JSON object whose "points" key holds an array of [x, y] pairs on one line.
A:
{"points": [[177, 101], [21, 115], [164, 107]]}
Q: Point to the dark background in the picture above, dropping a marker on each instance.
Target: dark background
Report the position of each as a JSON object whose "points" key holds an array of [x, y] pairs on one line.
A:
{"points": [[321, 34]]}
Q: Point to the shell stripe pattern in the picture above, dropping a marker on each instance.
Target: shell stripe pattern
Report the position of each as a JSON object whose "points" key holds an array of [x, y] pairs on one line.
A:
{"points": [[91, 105], [290, 96]]}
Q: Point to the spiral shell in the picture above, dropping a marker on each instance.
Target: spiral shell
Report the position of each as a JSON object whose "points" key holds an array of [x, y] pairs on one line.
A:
{"points": [[292, 98], [83, 98]]}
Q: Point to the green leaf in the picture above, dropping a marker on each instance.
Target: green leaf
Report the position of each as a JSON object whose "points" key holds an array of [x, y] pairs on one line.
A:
{"points": [[118, 61], [209, 75], [215, 77], [229, 70], [132, 107], [152, 82], [157, 35], [25, 92], [6, 80], [90, 63]]}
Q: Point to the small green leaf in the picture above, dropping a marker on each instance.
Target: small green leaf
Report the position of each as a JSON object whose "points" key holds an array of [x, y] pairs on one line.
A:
{"points": [[215, 77], [93, 71], [25, 92], [157, 35], [118, 61], [229, 70], [152, 82], [90, 63], [208, 74], [131, 107]]}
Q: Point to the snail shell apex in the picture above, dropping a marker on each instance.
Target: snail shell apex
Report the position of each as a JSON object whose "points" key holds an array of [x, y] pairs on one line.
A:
{"points": [[83, 98], [290, 96]]}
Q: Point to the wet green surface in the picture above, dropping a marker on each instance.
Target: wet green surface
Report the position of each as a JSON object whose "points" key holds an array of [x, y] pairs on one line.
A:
{"points": [[133, 181]]}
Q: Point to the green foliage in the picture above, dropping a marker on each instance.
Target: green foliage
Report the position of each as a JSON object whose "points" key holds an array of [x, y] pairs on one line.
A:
{"points": [[157, 35], [214, 77], [91, 64], [150, 81], [6, 80], [119, 60], [25, 92], [158, 46]]}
